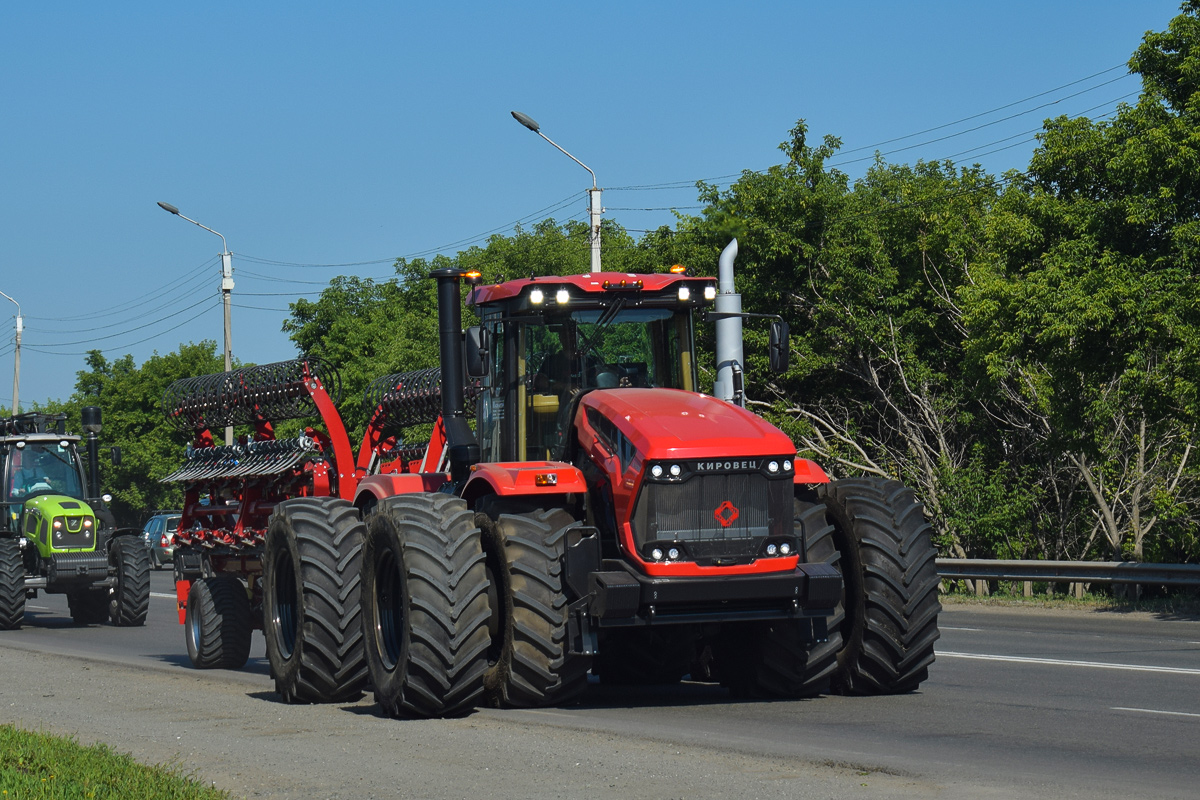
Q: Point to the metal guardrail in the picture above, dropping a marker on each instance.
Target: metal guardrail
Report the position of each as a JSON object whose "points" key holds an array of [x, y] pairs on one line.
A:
{"points": [[1185, 575]]}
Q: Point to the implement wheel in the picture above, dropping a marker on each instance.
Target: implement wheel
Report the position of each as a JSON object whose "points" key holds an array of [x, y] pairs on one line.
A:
{"points": [[890, 610], [129, 599], [311, 600], [12, 585], [218, 624], [780, 658], [530, 658], [425, 606]]}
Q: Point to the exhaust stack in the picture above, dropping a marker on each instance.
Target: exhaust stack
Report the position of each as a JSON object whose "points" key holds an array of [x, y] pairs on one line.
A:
{"points": [[462, 446], [728, 385]]}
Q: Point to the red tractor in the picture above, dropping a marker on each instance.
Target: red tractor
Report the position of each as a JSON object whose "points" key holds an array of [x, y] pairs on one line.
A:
{"points": [[601, 515]]}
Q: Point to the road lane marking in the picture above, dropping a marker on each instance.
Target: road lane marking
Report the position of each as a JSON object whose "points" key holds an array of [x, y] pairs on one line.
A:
{"points": [[1058, 662], [1156, 711], [948, 628], [163, 595]]}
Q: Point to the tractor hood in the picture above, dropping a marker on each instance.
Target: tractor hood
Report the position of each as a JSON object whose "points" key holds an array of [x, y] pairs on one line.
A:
{"points": [[674, 424], [57, 522]]}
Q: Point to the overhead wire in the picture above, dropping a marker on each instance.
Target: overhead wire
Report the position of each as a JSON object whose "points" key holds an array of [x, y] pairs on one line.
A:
{"points": [[691, 183], [189, 277], [215, 302], [121, 333], [536, 215]]}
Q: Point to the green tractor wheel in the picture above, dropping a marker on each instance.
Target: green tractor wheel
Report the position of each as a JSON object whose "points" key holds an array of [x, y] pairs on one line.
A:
{"points": [[12, 585]]}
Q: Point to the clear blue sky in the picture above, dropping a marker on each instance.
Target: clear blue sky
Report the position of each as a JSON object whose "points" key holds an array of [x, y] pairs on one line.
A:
{"points": [[352, 133]]}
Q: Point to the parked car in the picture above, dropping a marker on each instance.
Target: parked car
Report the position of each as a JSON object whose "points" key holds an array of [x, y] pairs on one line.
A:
{"points": [[158, 537]]}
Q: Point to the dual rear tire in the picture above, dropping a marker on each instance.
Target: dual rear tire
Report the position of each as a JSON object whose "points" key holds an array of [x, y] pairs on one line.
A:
{"points": [[312, 602], [425, 606]]}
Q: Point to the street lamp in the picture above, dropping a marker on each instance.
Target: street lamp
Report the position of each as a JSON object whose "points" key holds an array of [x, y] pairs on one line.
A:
{"points": [[594, 208], [226, 289], [17, 360]]}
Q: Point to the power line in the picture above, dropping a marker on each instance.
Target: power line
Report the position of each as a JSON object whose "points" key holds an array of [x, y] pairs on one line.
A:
{"points": [[536, 215], [191, 276], [159, 306], [124, 332], [980, 127], [188, 321], [687, 184], [998, 108]]}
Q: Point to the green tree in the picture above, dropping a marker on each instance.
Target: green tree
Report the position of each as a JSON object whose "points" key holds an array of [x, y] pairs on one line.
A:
{"points": [[1086, 321]]}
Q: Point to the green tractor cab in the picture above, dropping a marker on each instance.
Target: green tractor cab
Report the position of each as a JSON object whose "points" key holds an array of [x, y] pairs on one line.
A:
{"points": [[56, 533]]}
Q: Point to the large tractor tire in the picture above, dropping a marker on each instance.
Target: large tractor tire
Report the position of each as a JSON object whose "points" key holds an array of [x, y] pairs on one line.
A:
{"points": [[129, 599], [779, 658], [888, 618], [654, 656], [425, 606], [530, 658], [88, 606], [312, 600], [218, 623], [12, 585]]}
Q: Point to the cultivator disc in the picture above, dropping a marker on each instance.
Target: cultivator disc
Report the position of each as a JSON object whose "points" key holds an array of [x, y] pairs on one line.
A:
{"points": [[395, 402], [249, 395], [250, 460]]}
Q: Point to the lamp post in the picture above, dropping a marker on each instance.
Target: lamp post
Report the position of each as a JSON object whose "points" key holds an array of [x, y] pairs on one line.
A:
{"points": [[594, 208], [17, 360], [226, 290]]}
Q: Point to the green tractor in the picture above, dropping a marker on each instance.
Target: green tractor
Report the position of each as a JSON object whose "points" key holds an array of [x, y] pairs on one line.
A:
{"points": [[56, 532]]}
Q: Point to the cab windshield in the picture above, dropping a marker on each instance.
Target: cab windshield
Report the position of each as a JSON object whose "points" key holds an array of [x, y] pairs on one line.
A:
{"points": [[42, 468], [596, 349]]}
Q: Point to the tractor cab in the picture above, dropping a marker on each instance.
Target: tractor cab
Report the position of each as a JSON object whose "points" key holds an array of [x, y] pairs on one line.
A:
{"points": [[552, 340], [40, 467]]}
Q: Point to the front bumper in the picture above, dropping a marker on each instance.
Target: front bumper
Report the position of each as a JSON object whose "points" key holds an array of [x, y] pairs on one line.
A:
{"points": [[620, 597], [612, 594]]}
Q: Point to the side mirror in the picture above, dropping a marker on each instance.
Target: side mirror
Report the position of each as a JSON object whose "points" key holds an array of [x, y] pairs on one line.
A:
{"points": [[779, 349], [115, 455], [477, 344]]}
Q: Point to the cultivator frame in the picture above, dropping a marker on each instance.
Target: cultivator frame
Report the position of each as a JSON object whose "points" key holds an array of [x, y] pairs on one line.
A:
{"points": [[231, 491]]}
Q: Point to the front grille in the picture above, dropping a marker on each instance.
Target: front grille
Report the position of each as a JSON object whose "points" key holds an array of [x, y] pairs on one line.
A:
{"points": [[72, 535], [695, 510]]}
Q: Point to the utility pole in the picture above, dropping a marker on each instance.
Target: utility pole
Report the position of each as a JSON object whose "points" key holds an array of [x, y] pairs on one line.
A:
{"points": [[226, 292], [17, 360], [594, 207]]}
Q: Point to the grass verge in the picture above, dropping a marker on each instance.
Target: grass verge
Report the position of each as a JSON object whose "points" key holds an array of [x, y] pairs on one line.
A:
{"points": [[45, 767]]}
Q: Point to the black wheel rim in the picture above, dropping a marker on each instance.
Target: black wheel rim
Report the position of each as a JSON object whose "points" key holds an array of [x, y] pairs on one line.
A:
{"points": [[389, 610], [285, 616]]}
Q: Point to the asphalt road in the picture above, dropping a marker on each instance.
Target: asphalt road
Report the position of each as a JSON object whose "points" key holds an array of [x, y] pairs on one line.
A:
{"points": [[1020, 703]]}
